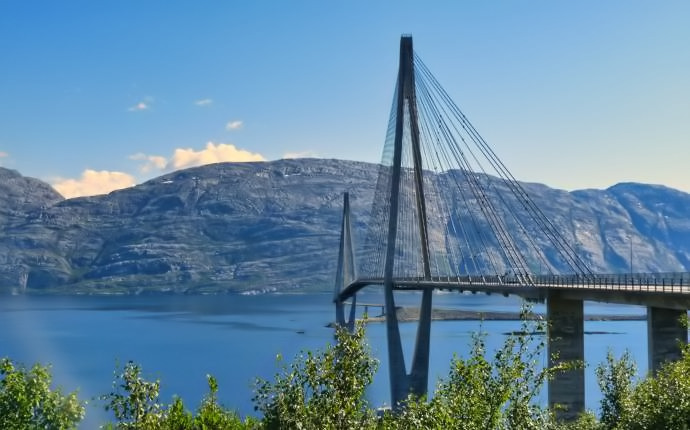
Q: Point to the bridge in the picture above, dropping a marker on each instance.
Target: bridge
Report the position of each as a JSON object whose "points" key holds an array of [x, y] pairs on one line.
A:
{"points": [[447, 214]]}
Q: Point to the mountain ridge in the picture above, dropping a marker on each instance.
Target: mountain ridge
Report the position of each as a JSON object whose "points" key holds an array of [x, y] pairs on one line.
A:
{"points": [[274, 226]]}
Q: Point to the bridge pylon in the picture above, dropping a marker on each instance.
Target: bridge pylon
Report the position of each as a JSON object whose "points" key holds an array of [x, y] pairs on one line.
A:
{"points": [[404, 190], [346, 272], [416, 382]]}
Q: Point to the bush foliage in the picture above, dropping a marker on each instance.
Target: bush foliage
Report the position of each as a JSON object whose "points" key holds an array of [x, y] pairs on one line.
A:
{"points": [[326, 390], [28, 402]]}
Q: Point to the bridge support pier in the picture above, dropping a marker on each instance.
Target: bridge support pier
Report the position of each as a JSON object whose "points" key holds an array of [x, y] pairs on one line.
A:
{"points": [[566, 390], [665, 335]]}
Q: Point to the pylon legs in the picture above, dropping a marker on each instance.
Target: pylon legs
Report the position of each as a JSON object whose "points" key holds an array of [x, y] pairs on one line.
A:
{"points": [[419, 377], [396, 360], [340, 314], [417, 382], [353, 308]]}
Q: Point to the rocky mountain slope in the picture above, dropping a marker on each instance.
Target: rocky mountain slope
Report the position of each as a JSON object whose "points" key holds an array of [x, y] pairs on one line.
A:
{"points": [[20, 195], [274, 226]]}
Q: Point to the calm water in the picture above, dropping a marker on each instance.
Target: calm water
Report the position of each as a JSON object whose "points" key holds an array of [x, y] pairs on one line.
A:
{"points": [[180, 339]]}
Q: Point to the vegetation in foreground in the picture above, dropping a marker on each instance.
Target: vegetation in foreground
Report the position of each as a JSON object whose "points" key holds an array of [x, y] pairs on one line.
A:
{"points": [[326, 390]]}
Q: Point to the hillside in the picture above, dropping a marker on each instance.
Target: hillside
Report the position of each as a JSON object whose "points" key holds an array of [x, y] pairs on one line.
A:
{"points": [[273, 226]]}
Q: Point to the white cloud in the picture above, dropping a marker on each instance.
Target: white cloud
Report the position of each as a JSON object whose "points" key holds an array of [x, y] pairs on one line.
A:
{"points": [[142, 105], [151, 162], [203, 102], [213, 153], [139, 107], [301, 154], [234, 125], [4, 154], [188, 157], [93, 182]]}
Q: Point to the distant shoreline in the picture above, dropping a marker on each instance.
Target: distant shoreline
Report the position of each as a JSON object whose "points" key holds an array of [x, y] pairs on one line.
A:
{"points": [[406, 313]]}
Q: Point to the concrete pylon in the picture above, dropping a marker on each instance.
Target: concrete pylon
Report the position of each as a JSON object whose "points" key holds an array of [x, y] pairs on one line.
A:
{"points": [[416, 382], [566, 390], [346, 272]]}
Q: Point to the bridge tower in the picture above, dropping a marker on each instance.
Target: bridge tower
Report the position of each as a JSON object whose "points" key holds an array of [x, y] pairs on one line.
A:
{"points": [[416, 381], [346, 272], [406, 140]]}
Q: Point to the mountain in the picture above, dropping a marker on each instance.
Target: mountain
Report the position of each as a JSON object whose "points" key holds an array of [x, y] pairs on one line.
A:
{"points": [[274, 226], [20, 195]]}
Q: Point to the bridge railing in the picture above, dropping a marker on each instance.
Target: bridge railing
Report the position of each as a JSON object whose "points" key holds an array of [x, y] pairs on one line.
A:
{"points": [[671, 282]]}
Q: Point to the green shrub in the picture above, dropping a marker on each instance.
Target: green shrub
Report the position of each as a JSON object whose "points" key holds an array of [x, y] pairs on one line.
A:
{"points": [[483, 393], [322, 390], [28, 402], [136, 406]]}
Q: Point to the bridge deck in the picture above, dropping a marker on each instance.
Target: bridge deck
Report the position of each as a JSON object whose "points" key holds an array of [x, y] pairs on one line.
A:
{"points": [[663, 290]]}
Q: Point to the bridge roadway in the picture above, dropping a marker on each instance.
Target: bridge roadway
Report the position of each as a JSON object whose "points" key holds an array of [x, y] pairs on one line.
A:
{"points": [[667, 290]]}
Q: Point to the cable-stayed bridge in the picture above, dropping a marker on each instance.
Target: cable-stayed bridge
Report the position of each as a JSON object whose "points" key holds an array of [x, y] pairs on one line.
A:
{"points": [[448, 214]]}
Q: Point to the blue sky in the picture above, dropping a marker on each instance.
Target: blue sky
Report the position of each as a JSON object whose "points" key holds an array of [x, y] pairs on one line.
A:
{"points": [[96, 95]]}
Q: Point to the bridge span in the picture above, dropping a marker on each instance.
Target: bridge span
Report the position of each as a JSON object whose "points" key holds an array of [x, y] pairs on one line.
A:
{"points": [[667, 299], [441, 221], [670, 290]]}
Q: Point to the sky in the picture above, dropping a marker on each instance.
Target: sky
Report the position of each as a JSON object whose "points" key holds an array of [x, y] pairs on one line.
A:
{"points": [[100, 95]]}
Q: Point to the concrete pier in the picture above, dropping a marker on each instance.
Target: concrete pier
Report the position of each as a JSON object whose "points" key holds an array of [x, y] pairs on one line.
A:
{"points": [[566, 339], [665, 335]]}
